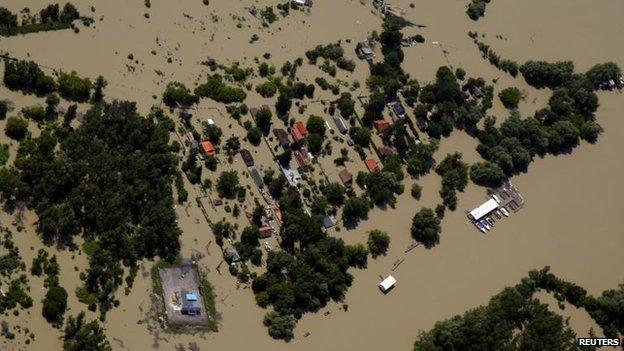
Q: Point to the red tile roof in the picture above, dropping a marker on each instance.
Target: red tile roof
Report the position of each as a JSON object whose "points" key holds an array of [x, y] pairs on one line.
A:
{"points": [[381, 125], [301, 128], [297, 135], [208, 148], [372, 165]]}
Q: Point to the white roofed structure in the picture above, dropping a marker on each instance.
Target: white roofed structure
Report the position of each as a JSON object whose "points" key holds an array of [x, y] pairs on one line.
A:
{"points": [[387, 284], [484, 209]]}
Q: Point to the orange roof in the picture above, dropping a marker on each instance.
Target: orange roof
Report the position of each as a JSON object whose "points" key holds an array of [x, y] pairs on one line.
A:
{"points": [[208, 148], [297, 135], [381, 125], [301, 128], [371, 164]]}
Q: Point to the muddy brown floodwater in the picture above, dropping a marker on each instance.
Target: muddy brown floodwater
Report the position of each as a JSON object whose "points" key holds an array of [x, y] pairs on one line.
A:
{"points": [[572, 220]]}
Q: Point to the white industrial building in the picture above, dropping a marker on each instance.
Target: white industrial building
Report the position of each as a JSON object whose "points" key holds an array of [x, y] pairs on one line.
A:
{"points": [[483, 210]]}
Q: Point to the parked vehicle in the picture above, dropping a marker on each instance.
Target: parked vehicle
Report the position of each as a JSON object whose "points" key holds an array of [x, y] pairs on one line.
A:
{"points": [[480, 226], [484, 224], [504, 211]]}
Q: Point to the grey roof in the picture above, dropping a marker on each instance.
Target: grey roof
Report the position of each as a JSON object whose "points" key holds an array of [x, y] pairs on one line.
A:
{"points": [[247, 157], [192, 306], [255, 175], [340, 124], [329, 221]]}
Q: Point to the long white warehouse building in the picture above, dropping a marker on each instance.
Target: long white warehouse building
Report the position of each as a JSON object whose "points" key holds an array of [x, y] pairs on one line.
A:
{"points": [[482, 210]]}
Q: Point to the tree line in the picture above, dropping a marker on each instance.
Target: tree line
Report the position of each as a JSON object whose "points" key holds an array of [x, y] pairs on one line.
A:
{"points": [[515, 319], [52, 17]]}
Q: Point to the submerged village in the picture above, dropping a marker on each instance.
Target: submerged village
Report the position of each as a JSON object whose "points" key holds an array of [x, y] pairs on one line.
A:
{"points": [[247, 169]]}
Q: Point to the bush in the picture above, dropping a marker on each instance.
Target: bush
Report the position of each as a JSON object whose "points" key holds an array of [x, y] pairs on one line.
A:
{"points": [[16, 128], [55, 304], [416, 191], [254, 135], [72, 87], [280, 326], [510, 97], [4, 108], [426, 227], [378, 242]]}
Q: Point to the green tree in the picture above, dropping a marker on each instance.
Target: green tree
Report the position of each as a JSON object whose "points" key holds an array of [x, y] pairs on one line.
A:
{"points": [[316, 125], [263, 120], [510, 97], [357, 255], [227, 184], [82, 336], [280, 326], [356, 208], [16, 128], [72, 87], [426, 227], [362, 136], [378, 242], [98, 88], [55, 304], [487, 174], [254, 135], [4, 108], [603, 73]]}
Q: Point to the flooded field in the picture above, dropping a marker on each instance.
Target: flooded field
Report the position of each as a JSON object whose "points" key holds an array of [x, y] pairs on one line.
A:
{"points": [[572, 220]]}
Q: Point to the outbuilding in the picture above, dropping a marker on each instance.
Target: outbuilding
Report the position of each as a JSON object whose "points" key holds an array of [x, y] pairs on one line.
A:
{"points": [[247, 158], [340, 124], [387, 284]]}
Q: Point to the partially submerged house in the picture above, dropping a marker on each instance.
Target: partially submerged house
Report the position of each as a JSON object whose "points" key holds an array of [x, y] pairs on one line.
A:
{"points": [[292, 176], [365, 51], [302, 158], [372, 165], [340, 124], [265, 232], [231, 255], [328, 221], [282, 137], [300, 132], [303, 2], [386, 151], [247, 157], [381, 125], [208, 148], [190, 303], [346, 178], [387, 284], [398, 109], [255, 175]]}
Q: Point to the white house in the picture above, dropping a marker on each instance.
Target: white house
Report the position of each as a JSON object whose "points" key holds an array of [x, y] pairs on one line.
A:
{"points": [[387, 284]]}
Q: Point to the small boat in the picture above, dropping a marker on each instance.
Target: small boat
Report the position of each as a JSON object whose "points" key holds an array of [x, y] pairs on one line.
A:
{"points": [[496, 198], [490, 221], [480, 227], [504, 211], [484, 224], [499, 214]]}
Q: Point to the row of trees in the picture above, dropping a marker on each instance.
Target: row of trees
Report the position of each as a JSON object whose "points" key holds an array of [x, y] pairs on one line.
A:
{"points": [[52, 17], [28, 77], [333, 52]]}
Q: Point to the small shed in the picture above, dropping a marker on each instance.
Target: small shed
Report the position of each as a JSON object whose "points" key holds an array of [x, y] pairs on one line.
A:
{"points": [[387, 284], [232, 255], [247, 158]]}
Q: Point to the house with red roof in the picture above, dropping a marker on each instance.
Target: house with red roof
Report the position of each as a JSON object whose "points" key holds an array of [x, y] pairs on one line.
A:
{"points": [[372, 165], [381, 125], [208, 148], [300, 132]]}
